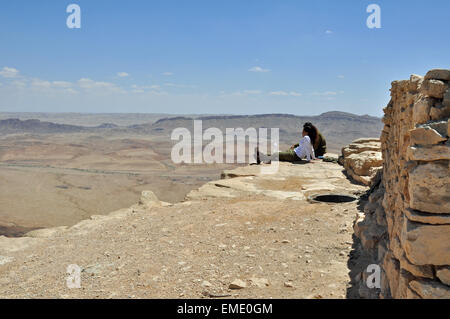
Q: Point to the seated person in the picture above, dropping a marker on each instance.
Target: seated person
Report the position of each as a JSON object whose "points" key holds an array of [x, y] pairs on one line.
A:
{"points": [[320, 144], [304, 149]]}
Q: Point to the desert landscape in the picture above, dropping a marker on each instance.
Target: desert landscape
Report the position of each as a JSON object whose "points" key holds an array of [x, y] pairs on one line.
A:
{"points": [[357, 226], [60, 172], [215, 156]]}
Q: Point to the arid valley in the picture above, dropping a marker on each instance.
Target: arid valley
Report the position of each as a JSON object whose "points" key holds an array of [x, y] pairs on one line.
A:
{"points": [[57, 169]]}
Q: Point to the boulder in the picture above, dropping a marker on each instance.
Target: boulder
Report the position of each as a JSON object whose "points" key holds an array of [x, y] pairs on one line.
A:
{"points": [[411, 294], [363, 164], [415, 82], [237, 284], [260, 282], [439, 111], [426, 244], [446, 101], [426, 218], [417, 271], [367, 140], [434, 88], [362, 159], [429, 188], [421, 109], [438, 74], [440, 126], [428, 289], [365, 180], [360, 146], [426, 136], [443, 273], [428, 153], [148, 199]]}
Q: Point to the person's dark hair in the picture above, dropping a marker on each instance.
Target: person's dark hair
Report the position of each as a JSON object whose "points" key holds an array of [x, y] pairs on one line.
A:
{"points": [[312, 131]]}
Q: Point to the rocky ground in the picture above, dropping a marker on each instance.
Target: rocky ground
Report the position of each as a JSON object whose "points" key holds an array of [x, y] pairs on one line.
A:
{"points": [[248, 235]]}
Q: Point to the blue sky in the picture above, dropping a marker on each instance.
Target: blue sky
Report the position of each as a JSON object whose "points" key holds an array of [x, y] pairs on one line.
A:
{"points": [[215, 56]]}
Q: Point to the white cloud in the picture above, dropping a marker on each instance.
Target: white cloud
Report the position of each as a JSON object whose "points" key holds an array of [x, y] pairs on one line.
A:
{"points": [[258, 69], [328, 32], [252, 92], [100, 87], [284, 93], [167, 73], [146, 87], [40, 84], [150, 89], [62, 84], [90, 84], [327, 93], [86, 83], [243, 93], [19, 84], [179, 85], [122, 74], [85, 86], [279, 93], [71, 91], [7, 72], [341, 76]]}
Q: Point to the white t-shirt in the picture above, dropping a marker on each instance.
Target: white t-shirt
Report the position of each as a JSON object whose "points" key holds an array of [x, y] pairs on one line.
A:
{"points": [[305, 149]]}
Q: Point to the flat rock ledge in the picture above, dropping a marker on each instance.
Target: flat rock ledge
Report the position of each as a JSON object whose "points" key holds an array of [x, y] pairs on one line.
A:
{"points": [[362, 159]]}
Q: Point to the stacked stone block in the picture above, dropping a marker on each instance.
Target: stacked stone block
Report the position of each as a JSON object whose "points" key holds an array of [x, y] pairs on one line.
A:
{"points": [[406, 224]]}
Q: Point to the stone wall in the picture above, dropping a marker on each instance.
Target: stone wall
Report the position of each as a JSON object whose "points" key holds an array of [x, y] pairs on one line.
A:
{"points": [[405, 227]]}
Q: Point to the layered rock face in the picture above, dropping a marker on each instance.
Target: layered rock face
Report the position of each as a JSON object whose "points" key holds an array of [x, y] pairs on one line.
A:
{"points": [[362, 159], [406, 225]]}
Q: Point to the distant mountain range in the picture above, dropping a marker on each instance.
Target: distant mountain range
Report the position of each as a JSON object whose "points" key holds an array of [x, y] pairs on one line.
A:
{"points": [[339, 128], [11, 126]]}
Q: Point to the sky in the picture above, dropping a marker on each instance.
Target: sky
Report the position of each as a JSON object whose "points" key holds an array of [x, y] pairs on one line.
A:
{"points": [[215, 56]]}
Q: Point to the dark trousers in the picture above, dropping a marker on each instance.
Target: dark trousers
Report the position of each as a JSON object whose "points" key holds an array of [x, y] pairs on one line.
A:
{"points": [[288, 156]]}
